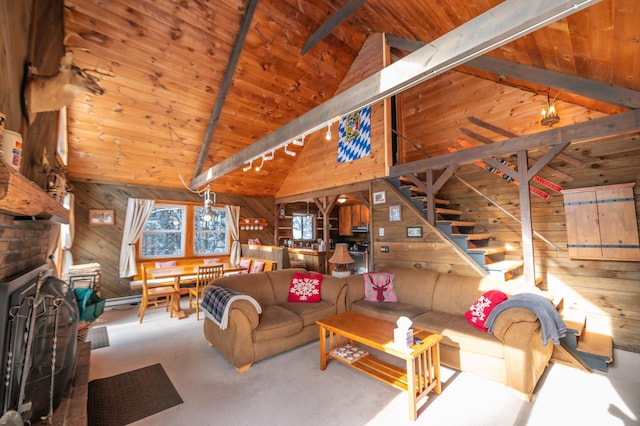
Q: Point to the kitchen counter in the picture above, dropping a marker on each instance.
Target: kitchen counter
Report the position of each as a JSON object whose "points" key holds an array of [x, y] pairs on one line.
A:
{"points": [[314, 260]]}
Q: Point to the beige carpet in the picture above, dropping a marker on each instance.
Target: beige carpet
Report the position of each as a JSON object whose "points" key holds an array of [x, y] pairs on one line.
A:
{"points": [[290, 389]]}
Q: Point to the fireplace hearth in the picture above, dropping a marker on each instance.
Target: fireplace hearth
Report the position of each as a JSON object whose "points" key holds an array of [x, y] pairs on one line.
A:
{"points": [[38, 342]]}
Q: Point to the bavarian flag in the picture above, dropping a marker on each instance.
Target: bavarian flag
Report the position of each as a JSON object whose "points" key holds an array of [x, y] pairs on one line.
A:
{"points": [[355, 135]]}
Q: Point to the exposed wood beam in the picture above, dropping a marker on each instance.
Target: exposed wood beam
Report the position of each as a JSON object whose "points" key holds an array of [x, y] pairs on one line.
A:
{"points": [[500, 25], [595, 129], [529, 266], [344, 189], [325, 29], [226, 83], [614, 95]]}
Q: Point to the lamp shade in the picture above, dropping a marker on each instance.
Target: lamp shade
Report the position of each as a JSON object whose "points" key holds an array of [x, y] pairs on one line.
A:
{"points": [[341, 255]]}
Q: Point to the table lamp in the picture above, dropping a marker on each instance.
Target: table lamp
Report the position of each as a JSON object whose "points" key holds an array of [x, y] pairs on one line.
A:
{"points": [[341, 258]]}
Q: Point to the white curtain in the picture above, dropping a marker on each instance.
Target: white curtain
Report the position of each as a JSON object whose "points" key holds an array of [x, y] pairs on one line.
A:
{"points": [[67, 232], [138, 211], [233, 219]]}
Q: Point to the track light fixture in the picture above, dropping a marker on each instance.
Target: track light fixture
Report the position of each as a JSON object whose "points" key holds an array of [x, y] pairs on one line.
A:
{"points": [[328, 136], [269, 156], [258, 168], [288, 152], [297, 142], [248, 166]]}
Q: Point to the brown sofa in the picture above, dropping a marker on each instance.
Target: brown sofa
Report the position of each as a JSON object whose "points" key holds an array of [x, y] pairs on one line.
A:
{"points": [[281, 326], [513, 355]]}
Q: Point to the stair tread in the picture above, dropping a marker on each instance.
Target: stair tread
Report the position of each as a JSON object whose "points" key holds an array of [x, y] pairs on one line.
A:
{"points": [[473, 237], [456, 222], [596, 344], [504, 265], [487, 250], [441, 210], [424, 199], [574, 319]]}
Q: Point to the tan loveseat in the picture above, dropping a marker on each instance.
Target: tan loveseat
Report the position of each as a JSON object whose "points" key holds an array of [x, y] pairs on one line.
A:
{"points": [[281, 326], [513, 355]]}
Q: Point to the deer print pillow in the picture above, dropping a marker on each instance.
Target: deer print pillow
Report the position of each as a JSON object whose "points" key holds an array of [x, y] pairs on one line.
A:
{"points": [[378, 287]]}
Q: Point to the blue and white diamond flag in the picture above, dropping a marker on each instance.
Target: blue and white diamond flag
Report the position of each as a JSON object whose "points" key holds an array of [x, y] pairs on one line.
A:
{"points": [[355, 135]]}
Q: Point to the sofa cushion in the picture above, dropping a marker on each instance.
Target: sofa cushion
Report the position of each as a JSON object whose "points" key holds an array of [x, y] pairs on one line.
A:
{"points": [[257, 266], [305, 288], [378, 287], [414, 286], [455, 293], [386, 311], [276, 322], [478, 313], [257, 286], [458, 333], [166, 264], [311, 312]]}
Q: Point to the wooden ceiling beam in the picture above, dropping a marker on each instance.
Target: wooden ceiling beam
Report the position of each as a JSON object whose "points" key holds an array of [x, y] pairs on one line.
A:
{"points": [[589, 130], [614, 95], [226, 84], [325, 29], [500, 25]]}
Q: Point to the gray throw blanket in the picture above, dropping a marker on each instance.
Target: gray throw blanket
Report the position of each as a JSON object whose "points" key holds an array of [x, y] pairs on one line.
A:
{"points": [[552, 325], [217, 302]]}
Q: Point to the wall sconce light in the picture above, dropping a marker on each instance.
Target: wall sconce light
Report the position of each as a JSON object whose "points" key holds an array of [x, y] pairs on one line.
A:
{"points": [[549, 113], [328, 136]]}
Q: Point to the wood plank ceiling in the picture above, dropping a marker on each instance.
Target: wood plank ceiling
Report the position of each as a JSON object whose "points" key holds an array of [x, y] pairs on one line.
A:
{"points": [[167, 59]]}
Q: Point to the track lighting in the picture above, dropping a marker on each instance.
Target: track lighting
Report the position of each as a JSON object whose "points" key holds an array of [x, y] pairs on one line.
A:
{"points": [[269, 156], [328, 136], [297, 142], [288, 152], [261, 164], [248, 166]]}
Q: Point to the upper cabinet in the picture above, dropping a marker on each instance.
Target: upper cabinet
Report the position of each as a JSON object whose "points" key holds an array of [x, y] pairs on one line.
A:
{"points": [[352, 216], [601, 222]]}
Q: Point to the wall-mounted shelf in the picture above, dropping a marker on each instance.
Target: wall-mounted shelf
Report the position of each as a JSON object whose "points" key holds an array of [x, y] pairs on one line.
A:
{"points": [[21, 197]]}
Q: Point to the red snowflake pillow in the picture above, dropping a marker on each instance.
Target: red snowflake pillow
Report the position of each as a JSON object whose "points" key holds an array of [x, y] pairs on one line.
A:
{"points": [[479, 311], [378, 287], [305, 288]]}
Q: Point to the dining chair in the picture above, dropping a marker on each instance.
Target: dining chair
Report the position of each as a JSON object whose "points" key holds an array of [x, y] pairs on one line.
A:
{"points": [[156, 296], [205, 274]]}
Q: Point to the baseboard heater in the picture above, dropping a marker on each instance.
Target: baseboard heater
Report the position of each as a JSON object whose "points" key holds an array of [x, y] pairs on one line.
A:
{"points": [[127, 300]]}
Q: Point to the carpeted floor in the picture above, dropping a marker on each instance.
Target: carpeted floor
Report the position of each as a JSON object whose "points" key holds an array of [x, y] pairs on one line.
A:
{"points": [[290, 389], [98, 336], [127, 397]]}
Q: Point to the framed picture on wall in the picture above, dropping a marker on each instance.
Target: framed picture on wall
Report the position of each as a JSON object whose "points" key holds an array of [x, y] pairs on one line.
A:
{"points": [[101, 217], [379, 197], [414, 231], [394, 214]]}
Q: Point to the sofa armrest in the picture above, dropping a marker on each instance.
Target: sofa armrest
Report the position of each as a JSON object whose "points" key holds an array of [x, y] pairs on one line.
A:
{"points": [[248, 310], [510, 316], [332, 290]]}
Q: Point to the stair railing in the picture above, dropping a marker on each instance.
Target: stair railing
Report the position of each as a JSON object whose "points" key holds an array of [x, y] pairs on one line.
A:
{"points": [[505, 211]]}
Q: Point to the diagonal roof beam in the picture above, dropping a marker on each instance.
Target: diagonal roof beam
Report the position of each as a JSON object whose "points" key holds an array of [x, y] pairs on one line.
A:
{"points": [[614, 95], [226, 83], [325, 29], [502, 24]]}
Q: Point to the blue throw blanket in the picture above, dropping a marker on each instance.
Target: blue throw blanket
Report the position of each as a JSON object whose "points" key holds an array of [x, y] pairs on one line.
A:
{"points": [[552, 325], [217, 302]]}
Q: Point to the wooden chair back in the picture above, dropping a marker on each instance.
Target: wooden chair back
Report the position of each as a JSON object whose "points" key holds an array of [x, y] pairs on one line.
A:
{"points": [[156, 296], [205, 274]]}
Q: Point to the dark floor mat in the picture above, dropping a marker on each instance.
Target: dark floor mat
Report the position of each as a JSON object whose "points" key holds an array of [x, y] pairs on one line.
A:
{"points": [[131, 396]]}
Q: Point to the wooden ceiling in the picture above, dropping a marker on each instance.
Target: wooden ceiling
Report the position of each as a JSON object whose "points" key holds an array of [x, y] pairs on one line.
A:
{"points": [[167, 60]]}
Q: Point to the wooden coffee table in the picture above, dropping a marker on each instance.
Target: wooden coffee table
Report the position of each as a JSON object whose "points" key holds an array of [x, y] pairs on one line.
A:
{"points": [[422, 373]]}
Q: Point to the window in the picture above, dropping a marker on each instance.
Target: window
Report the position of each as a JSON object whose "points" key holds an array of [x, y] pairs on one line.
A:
{"points": [[183, 231], [210, 232], [303, 226]]}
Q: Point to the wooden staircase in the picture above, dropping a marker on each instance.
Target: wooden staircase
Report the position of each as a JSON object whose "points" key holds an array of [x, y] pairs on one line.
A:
{"points": [[494, 260], [581, 348]]}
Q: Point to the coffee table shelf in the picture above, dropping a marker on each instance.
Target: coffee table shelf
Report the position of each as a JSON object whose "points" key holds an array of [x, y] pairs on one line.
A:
{"points": [[422, 372]]}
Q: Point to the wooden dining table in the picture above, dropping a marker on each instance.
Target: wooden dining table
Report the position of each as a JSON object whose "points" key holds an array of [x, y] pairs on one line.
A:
{"points": [[191, 270]]}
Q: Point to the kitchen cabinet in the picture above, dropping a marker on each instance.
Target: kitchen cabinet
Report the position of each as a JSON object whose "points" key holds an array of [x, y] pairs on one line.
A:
{"points": [[352, 216]]}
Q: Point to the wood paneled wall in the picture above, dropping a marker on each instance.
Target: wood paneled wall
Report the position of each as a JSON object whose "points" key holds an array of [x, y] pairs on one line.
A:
{"points": [[102, 243]]}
